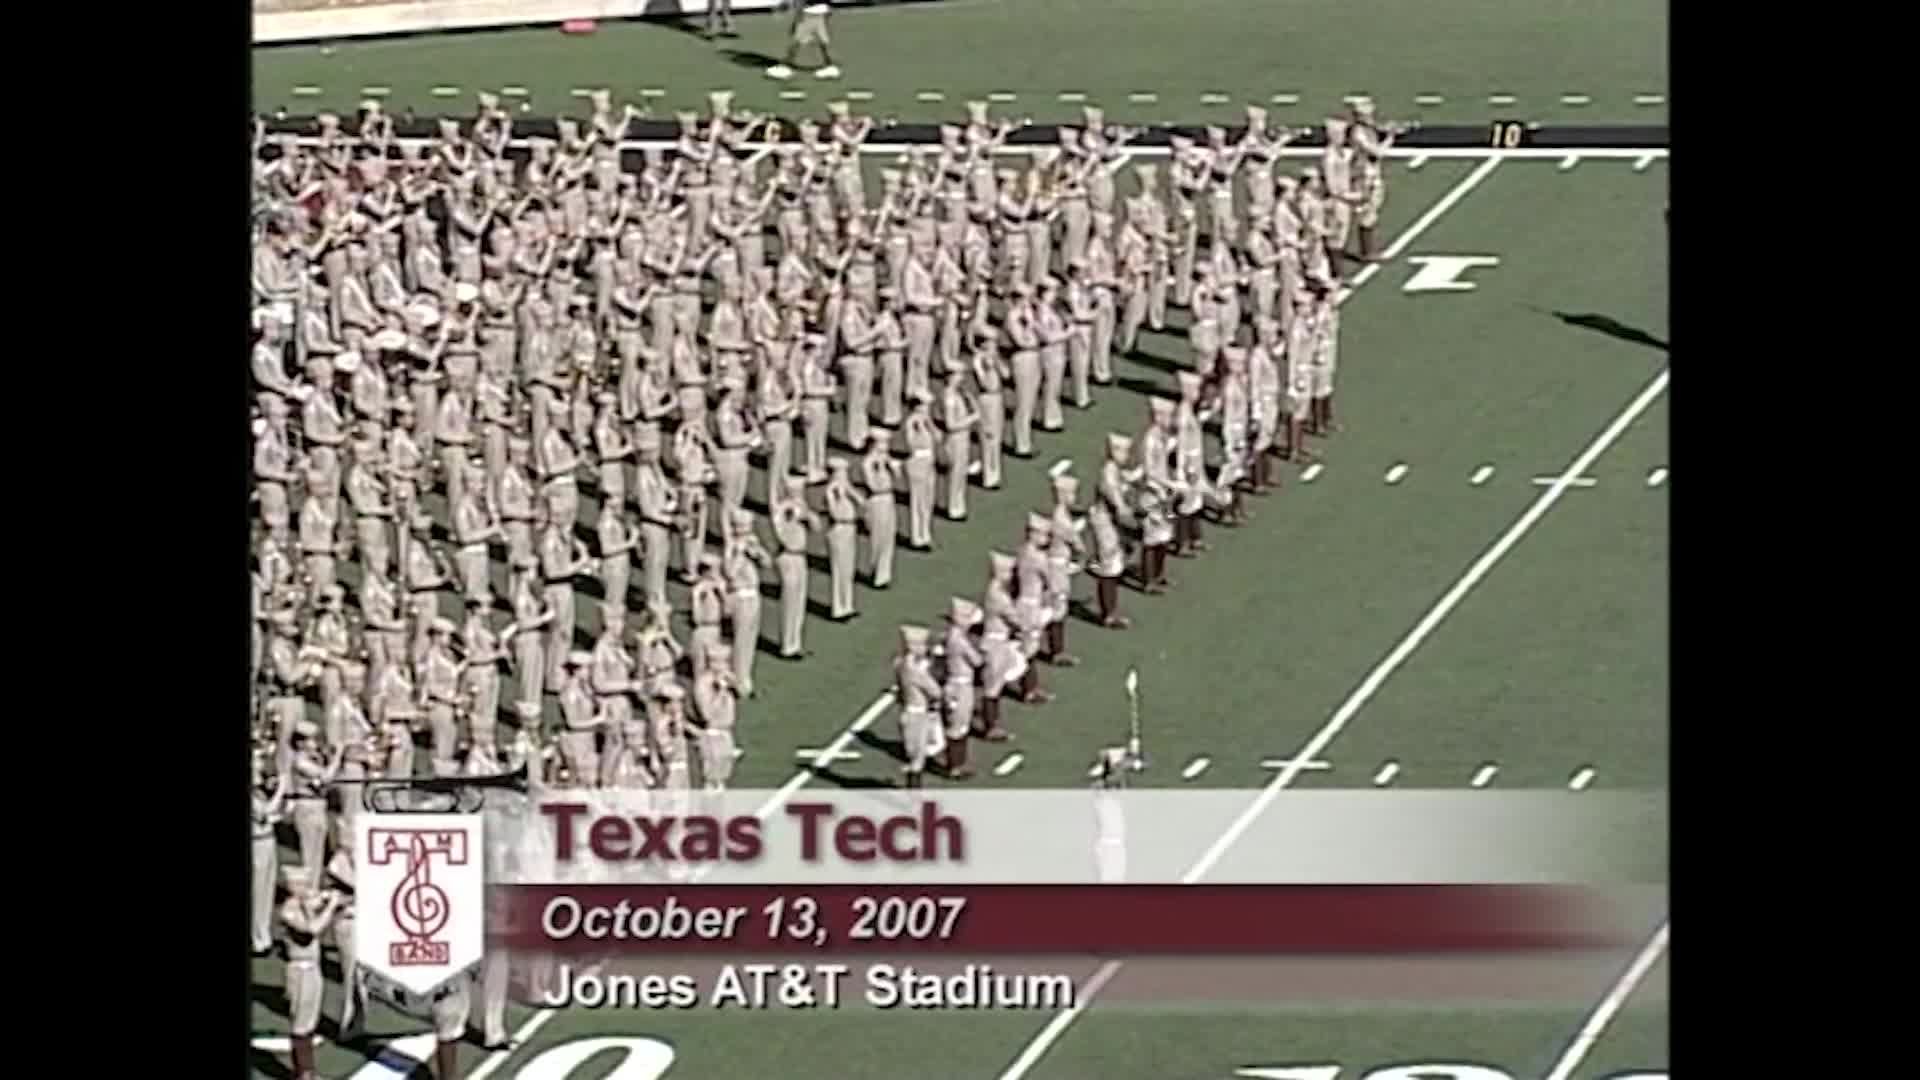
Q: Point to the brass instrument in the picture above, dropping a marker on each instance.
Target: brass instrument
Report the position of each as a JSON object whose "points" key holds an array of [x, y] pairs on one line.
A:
{"points": [[455, 794]]}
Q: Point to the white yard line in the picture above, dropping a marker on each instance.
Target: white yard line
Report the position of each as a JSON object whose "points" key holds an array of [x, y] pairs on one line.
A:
{"points": [[1610, 1005], [1317, 745]]}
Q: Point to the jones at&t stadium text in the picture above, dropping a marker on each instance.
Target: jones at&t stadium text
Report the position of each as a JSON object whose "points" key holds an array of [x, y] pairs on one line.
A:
{"points": [[812, 986]]}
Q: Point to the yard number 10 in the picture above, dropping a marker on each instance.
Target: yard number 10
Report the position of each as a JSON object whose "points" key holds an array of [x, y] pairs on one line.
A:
{"points": [[1507, 134]]}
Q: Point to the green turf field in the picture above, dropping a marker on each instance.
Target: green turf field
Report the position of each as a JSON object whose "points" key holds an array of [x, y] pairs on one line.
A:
{"points": [[1471, 590], [1196, 61]]}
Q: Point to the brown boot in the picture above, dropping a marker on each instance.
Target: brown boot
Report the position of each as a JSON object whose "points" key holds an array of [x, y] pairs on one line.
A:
{"points": [[446, 1061], [990, 728], [1057, 645], [300, 1049], [1327, 423], [1031, 692], [1194, 538], [1366, 244], [957, 767]]}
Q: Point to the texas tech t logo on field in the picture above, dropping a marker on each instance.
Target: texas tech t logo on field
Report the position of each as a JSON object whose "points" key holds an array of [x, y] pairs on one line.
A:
{"points": [[421, 893]]}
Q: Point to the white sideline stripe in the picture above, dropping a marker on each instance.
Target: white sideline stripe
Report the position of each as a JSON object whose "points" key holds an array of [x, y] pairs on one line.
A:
{"points": [[1386, 774], [881, 147], [1009, 763], [1481, 475], [531, 1027], [1610, 1005], [1061, 467], [1485, 775], [1369, 686]]}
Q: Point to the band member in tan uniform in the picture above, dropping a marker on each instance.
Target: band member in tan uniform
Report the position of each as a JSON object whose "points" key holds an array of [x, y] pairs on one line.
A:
{"points": [[743, 558], [917, 690], [957, 421], [716, 698], [269, 799], [307, 914], [843, 517], [879, 471], [353, 986], [963, 661], [1111, 511], [792, 519], [921, 437]]}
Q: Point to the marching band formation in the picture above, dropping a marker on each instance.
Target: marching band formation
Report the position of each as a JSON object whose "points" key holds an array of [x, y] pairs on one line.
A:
{"points": [[452, 338]]}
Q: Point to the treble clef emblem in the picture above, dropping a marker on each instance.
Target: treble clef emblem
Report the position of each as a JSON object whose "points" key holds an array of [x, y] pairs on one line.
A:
{"points": [[419, 906]]}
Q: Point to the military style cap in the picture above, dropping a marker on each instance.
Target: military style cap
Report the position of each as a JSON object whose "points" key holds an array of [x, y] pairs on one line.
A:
{"points": [[1094, 116], [1336, 128], [977, 112], [390, 339], [295, 877], [881, 436], [346, 362], [442, 625], [1147, 173], [687, 117], [466, 292], [1161, 409], [740, 519], [306, 729], [668, 689], [913, 638], [1066, 487], [1000, 564], [1039, 525], [1070, 138], [1363, 107], [838, 464], [1180, 143], [839, 109], [795, 483], [332, 596], [963, 612], [1256, 117], [1190, 383], [578, 658]]}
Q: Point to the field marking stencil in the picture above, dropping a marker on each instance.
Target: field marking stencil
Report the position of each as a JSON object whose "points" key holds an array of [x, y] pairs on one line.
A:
{"points": [[1317, 745]]}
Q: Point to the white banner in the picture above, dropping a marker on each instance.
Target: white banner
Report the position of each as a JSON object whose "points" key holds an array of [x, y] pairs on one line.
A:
{"points": [[420, 896], [1074, 837], [307, 20]]}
